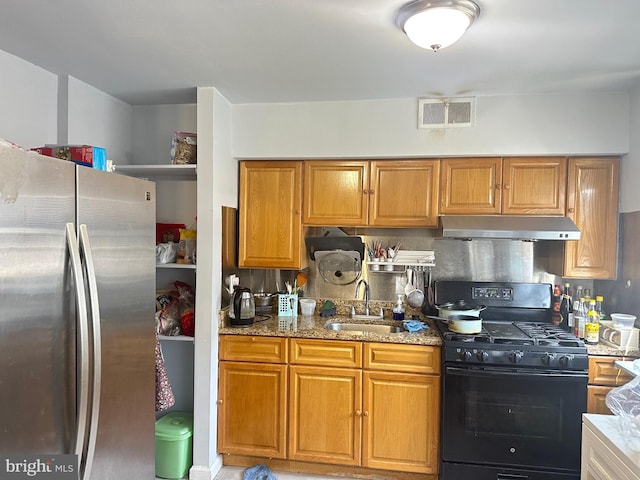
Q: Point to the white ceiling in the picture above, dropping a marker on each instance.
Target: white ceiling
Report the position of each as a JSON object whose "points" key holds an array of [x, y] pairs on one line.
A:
{"points": [[158, 51]]}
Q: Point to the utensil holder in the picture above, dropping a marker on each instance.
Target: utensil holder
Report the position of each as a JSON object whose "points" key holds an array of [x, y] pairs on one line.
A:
{"points": [[288, 305]]}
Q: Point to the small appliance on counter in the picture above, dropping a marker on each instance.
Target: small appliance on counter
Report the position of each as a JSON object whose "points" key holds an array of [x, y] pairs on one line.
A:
{"points": [[243, 308]]}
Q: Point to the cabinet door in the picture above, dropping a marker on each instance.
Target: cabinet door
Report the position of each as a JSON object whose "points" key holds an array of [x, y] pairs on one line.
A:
{"points": [[401, 421], [592, 203], [534, 186], [603, 371], [325, 415], [270, 215], [470, 186], [596, 399], [252, 409], [404, 193], [335, 192]]}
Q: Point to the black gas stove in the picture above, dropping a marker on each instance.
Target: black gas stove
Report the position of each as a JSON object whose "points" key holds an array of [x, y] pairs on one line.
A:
{"points": [[513, 394], [530, 344]]}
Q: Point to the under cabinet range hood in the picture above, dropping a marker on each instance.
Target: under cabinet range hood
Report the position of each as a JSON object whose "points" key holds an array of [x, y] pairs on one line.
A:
{"points": [[512, 227]]}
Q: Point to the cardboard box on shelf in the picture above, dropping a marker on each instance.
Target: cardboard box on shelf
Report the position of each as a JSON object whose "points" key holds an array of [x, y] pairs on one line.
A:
{"points": [[87, 155]]}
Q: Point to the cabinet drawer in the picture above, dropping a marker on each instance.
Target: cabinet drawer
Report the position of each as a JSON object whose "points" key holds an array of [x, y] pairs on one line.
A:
{"points": [[326, 353], [602, 371], [253, 349], [402, 358]]}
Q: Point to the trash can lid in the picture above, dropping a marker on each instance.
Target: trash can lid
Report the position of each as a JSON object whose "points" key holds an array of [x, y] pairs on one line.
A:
{"points": [[174, 426]]}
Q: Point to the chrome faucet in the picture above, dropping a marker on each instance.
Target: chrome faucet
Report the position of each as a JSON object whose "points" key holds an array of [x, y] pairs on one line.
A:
{"points": [[366, 294]]}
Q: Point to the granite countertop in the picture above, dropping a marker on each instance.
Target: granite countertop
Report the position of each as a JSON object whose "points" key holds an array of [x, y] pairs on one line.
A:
{"points": [[603, 349], [314, 327]]}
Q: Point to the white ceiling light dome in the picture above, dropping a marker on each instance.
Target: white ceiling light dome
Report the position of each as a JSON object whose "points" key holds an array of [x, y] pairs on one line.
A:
{"points": [[436, 24]]}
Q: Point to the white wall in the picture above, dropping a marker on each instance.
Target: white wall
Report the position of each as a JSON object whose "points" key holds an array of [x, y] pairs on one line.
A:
{"points": [[505, 125], [96, 118], [630, 165], [153, 127], [28, 102]]}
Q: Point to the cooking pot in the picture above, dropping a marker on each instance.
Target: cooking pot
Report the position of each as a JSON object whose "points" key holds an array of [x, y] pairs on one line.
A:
{"points": [[262, 299], [459, 308], [465, 324]]}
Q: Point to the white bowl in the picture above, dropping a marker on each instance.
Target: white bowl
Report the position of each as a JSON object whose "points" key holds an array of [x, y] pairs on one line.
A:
{"points": [[623, 320]]}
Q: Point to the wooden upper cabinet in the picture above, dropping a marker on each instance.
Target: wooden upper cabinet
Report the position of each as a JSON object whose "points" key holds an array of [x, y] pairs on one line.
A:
{"points": [[534, 186], [470, 186], [384, 193], [509, 186], [592, 203], [270, 225], [336, 192], [404, 193]]}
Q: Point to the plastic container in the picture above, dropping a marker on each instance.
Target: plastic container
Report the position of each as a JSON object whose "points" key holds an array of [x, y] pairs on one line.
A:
{"points": [[623, 320], [174, 445], [307, 306]]}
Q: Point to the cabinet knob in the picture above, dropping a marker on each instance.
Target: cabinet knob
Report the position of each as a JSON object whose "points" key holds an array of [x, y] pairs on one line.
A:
{"points": [[498, 186], [358, 413], [571, 210], [506, 187], [365, 413], [219, 402], [372, 192]]}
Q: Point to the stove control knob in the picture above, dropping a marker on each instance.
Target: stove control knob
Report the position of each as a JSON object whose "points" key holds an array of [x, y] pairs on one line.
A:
{"points": [[564, 360], [548, 358], [515, 357], [465, 355], [483, 356]]}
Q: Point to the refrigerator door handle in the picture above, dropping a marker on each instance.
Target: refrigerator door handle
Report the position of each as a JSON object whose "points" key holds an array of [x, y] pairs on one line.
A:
{"points": [[83, 334], [85, 246]]}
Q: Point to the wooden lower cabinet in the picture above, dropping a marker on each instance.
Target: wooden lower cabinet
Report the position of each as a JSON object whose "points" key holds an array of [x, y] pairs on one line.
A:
{"points": [[603, 377], [356, 405], [252, 396], [379, 419], [401, 421]]}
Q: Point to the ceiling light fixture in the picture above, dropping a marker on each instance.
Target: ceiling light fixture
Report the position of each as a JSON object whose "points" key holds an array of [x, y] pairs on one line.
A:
{"points": [[436, 24]]}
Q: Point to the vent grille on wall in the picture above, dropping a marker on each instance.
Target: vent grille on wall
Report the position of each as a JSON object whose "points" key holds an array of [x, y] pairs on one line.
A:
{"points": [[446, 113]]}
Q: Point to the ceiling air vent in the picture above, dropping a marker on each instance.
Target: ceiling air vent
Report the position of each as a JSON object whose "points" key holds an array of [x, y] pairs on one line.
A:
{"points": [[446, 113]]}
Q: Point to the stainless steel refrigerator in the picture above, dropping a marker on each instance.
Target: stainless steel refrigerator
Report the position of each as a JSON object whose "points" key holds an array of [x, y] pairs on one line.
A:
{"points": [[77, 289]]}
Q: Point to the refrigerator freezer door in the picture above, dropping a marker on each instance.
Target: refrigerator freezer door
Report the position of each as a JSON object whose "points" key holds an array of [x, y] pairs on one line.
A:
{"points": [[37, 315], [119, 214]]}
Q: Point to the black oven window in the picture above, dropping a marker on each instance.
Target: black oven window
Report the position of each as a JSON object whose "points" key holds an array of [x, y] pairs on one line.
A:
{"points": [[513, 414]]}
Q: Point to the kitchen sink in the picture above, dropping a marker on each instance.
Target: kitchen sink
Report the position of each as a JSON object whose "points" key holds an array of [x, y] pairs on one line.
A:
{"points": [[363, 327]]}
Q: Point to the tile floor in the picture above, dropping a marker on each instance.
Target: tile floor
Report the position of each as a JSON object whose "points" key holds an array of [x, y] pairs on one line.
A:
{"points": [[236, 473]]}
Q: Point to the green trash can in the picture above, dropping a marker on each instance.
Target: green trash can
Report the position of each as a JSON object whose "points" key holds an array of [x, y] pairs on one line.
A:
{"points": [[174, 445]]}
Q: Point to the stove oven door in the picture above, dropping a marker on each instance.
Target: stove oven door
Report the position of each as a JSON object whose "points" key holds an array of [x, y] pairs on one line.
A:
{"points": [[513, 418]]}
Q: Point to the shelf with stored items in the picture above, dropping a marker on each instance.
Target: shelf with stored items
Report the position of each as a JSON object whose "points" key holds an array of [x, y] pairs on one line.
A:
{"points": [[402, 260], [176, 204]]}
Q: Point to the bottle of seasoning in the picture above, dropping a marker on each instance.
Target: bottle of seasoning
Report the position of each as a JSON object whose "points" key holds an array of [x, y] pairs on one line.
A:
{"points": [[566, 309], [599, 307], [592, 327], [580, 319], [556, 317]]}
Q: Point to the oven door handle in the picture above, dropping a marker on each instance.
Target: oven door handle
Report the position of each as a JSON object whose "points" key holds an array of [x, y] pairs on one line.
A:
{"points": [[510, 476], [498, 372]]}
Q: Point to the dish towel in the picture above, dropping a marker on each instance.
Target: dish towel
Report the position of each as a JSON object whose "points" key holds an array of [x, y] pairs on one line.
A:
{"points": [[259, 472], [414, 325]]}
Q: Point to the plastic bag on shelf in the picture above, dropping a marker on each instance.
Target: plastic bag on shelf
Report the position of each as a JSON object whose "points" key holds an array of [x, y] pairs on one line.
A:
{"points": [[186, 301], [624, 401], [166, 253], [168, 313]]}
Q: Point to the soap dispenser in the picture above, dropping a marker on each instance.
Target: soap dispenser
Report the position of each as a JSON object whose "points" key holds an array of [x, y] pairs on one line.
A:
{"points": [[398, 310]]}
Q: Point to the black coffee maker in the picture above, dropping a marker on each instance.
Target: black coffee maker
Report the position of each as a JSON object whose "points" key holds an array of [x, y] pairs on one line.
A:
{"points": [[243, 308]]}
